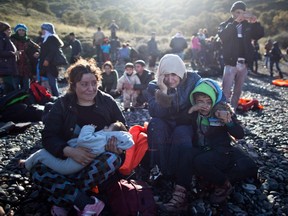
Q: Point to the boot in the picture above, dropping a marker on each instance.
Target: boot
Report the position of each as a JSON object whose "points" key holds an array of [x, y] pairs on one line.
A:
{"points": [[221, 193], [178, 201]]}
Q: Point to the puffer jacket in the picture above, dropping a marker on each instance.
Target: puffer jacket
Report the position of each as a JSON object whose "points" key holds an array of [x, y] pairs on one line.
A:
{"points": [[8, 65], [61, 121], [180, 100], [228, 34]]}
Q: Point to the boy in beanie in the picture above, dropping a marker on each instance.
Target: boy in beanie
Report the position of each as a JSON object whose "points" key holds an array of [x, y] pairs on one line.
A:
{"points": [[236, 35], [125, 85], [215, 125]]}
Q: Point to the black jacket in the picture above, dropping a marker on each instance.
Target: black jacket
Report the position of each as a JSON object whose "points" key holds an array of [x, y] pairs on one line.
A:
{"points": [[8, 65], [145, 78], [228, 33], [60, 122], [47, 52], [218, 136]]}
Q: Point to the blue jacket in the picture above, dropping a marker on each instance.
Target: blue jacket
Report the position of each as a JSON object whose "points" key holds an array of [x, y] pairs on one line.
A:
{"points": [[180, 100]]}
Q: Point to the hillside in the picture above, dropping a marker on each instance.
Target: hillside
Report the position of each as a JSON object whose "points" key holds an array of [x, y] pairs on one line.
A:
{"points": [[137, 19]]}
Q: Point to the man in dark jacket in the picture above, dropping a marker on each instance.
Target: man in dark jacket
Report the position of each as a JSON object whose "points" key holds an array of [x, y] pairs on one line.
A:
{"points": [[178, 45], [76, 48], [236, 35], [145, 77]]}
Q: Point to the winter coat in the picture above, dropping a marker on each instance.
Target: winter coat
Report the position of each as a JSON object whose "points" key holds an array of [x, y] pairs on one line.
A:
{"points": [[145, 78], [133, 79], [47, 52], [26, 60], [61, 121], [178, 44], [109, 82], [8, 64], [180, 100], [228, 34]]}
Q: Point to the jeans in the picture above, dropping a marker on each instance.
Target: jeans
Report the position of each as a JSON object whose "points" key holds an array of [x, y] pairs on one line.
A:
{"points": [[168, 143], [53, 84], [235, 75]]}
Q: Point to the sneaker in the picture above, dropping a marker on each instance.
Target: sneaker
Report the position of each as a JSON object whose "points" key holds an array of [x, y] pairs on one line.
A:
{"points": [[91, 209], [58, 211]]}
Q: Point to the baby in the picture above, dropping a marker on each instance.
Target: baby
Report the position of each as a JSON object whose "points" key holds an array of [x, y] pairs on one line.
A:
{"points": [[88, 138]]}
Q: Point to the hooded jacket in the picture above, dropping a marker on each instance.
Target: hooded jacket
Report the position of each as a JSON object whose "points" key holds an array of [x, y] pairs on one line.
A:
{"points": [[8, 65], [178, 109]]}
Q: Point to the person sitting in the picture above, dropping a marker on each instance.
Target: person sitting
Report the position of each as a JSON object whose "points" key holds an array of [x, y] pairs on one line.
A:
{"points": [[88, 138], [145, 77], [126, 85], [215, 125], [109, 79], [83, 104]]}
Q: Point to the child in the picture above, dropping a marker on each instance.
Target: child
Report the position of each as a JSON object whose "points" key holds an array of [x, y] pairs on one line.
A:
{"points": [[216, 160], [125, 85], [88, 138]]}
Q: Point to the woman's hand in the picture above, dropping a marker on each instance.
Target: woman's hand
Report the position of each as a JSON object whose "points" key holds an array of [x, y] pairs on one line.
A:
{"points": [[112, 147], [161, 84], [79, 154]]}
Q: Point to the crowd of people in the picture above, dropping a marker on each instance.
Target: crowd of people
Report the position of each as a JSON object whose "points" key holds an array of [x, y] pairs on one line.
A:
{"points": [[192, 118]]}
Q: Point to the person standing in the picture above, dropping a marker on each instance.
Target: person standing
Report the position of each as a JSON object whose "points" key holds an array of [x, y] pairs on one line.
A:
{"points": [[8, 57], [113, 28], [51, 44], [98, 38], [178, 44], [236, 35], [275, 57], [76, 48], [153, 51], [267, 47], [28, 59]]}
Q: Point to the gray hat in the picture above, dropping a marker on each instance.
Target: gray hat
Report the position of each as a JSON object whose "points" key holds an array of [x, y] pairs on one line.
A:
{"points": [[238, 5], [141, 62]]}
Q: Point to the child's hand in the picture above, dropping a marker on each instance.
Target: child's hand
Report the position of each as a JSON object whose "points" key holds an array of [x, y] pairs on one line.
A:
{"points": [[195, 108], [224, 116]]}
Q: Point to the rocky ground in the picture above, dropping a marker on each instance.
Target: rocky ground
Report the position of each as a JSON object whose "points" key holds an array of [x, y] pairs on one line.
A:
{"points": [[266, 141]]}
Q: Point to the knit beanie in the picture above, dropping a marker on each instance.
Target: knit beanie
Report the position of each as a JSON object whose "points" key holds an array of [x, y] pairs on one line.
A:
{"points": [[238, 5], [171, 63], [48, 27], [129, 64], [205, 88], [20, 26], [4, 26]]}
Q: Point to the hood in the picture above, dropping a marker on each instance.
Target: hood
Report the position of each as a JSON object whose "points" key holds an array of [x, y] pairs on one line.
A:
{"points": [[171, 63]]}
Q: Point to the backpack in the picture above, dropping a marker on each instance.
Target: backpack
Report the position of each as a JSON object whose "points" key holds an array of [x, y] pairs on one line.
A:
{"points": [[135, 154], [16, 96], [40, 93], [131, 198]]}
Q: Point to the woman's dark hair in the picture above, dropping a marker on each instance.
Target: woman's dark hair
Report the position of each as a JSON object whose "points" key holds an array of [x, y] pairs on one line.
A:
{"points": [[76, 71]]}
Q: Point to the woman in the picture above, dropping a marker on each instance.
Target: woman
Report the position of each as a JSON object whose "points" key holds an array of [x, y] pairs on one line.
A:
{"points": [[8, 58], [110, 79], [30, 52], [82, 104], [51, 43], [170, 128]]}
